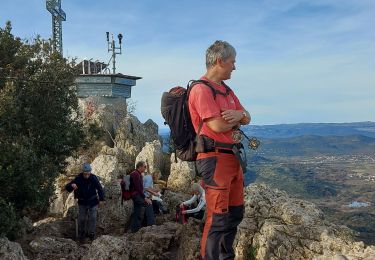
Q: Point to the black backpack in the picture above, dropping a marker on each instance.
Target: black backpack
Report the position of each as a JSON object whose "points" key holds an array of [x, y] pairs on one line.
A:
{"points": [[175, 111]]}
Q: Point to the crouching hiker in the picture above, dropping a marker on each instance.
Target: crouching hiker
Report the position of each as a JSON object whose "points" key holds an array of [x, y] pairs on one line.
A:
{"points": [[89, 192], [198, 195], [141, 204]]}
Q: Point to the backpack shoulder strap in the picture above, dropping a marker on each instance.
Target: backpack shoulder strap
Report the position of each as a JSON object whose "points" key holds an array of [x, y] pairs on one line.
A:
{"points": [[215, 91], [228, 89], [192, 83]]}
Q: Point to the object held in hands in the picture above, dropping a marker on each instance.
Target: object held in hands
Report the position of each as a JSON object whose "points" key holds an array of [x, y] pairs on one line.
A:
{"points": [[253, 141]]}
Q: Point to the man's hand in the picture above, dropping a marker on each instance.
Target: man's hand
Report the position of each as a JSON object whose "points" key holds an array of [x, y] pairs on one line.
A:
{"points": [[101, 203], [148, 201], [74, 186], [183, 212], [232, 116]]}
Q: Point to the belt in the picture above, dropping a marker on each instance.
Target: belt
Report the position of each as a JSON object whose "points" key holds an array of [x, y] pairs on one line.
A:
{"points": [[224, 151], [219, 150]]}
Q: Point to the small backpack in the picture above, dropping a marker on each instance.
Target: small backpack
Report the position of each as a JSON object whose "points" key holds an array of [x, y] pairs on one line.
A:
{"points": [[175, 111], [126, 193], [180, 218]]}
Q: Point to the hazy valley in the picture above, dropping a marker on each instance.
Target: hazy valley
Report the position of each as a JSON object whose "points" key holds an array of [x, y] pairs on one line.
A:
{"points": [[337, 173], [331, 165]]}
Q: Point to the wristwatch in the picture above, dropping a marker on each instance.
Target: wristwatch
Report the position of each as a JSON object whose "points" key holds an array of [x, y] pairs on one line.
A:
{"points": [[244, 114]]}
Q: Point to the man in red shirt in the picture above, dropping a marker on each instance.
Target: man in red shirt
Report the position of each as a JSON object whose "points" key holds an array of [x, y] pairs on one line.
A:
{"points": [[221, 115]]}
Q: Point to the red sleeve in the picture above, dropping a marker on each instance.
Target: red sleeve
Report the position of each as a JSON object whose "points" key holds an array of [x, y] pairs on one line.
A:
{"points": [[202, 99]]}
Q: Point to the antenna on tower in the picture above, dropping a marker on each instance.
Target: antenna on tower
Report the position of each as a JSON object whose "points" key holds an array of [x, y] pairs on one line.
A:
{"points": [[58, 15], [112, 48]]}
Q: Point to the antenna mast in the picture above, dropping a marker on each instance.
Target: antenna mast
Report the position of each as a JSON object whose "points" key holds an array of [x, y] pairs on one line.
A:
{"points": [[112, 48], [58, 15]]}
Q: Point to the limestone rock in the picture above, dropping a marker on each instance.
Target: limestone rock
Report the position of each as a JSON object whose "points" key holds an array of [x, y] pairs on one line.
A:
{"points": [[151, 126], [110, 163], [74, 165], [276, 226], [181, 176], [189, 248], [152, 153], [114, 214], [108, 247], [47, 227], [62, 200], [69, 202], [10, 250], [106, 167], [55, 248], [172, 199], [154, 242], [54, 227], [133, 135], [59, 205]]}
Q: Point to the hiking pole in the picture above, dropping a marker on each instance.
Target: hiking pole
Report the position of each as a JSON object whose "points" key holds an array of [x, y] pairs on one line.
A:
{"points": [[253, 142], [76, 218]]}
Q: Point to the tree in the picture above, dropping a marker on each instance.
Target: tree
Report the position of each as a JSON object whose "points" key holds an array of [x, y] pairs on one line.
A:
{"points": [[38, 129]]}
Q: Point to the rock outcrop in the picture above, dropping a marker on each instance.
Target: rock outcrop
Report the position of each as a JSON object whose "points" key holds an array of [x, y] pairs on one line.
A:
{"points": [[46, 248], [276, 226], [133, 135], [172, 199], [110, 163], [181, 175], [152, 153], [168, 241], [10, 250]]}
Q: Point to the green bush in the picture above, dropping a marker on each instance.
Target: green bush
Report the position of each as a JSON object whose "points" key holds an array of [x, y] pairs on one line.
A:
{"points": [[9, 222], [39, 126]]}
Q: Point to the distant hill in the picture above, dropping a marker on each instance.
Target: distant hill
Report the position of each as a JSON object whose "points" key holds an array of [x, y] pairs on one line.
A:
{"points": [[320, 129], [307, 139], [292, 130], [310, 145]]}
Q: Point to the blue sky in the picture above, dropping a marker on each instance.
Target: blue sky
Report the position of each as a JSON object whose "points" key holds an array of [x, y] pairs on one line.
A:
{"points": [[297, 60]]}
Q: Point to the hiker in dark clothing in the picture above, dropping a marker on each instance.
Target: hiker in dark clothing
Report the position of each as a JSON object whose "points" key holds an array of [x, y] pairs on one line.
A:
{"points": [[89, 192], [141, 204]]}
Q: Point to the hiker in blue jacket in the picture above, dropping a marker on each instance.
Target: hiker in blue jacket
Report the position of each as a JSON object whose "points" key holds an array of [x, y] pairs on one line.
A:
{"points": [[89, 192]]}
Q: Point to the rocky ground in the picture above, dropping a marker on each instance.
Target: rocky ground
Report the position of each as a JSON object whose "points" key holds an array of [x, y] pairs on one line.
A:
{"points": [[275, 226]]}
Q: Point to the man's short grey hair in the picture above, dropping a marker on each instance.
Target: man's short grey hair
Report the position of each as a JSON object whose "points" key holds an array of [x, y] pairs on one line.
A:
{"points": [[140, 164], [219, 49]]}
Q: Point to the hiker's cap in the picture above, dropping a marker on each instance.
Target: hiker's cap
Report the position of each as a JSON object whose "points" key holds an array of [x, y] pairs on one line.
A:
{"points": [[86, 167]]}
